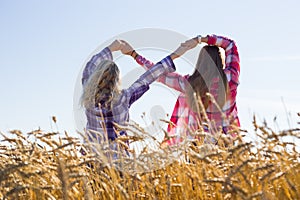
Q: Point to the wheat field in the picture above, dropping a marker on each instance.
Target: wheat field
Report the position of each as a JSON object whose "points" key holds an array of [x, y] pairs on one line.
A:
{"points": [[39, 165]]}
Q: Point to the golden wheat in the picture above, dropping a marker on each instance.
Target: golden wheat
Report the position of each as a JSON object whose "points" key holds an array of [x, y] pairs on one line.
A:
{"points": [[42, 165]]}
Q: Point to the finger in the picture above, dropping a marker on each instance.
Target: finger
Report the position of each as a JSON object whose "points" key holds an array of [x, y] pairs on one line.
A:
{"points": [[189, 42], [123, 41], [124, 44], [184, 44]]}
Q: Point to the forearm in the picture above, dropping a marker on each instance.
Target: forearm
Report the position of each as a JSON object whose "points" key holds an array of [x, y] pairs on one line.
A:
{"points": [[105, 54], [172, 79], [220, 41], [134, 54], [204, 39], [184, 47], [145, 63], [163, 67], [232, 60], [173, 56], [142, 84]]}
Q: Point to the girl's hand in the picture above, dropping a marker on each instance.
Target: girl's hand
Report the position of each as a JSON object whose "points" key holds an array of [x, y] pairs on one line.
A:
{"points": [[115, 45], [191, 43], [126, 49], [184, 47]]}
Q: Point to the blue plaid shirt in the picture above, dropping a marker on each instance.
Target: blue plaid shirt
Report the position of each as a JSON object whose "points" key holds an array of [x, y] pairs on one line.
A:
{"points": [[120, 108]]}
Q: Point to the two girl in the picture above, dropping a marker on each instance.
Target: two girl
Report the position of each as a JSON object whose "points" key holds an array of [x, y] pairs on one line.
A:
{"points": [[212, 84]]}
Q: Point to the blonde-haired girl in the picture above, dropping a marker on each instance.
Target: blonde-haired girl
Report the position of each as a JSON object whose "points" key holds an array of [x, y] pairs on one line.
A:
{"points": [[105, 104]]}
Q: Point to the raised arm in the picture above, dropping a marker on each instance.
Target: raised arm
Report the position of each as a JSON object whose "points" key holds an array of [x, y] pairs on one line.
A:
{"points": [[139, 87], [232, 60], [172, 79], [105, 54]]}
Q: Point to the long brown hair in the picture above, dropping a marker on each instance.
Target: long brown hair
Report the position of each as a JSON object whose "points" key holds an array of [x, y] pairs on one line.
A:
{"points": [[208, 71]]}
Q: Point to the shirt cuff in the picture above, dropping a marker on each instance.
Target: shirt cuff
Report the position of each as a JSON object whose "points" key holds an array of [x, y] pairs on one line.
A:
{"points": [[168, 64], [212, 39], [107, 53]]}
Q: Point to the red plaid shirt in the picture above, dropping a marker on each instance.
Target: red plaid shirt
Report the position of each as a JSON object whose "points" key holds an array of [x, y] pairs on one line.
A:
{"points": [[183, 118]]}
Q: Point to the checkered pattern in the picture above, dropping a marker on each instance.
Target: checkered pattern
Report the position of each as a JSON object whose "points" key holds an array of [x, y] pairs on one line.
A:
{"points": [[182, 116], [100, 119]]}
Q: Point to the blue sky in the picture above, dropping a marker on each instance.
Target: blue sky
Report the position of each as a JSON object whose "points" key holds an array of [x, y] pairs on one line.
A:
{"points": [[44, 45]]}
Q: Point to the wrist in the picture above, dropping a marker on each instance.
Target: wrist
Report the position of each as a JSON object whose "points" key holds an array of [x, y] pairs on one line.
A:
{"points": [[199, 39], [112, 48], [173, 56], [109, 47], [134, 54], [204, 39]]}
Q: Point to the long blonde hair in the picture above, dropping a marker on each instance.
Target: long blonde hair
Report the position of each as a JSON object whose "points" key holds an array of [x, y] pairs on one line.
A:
{"points": [[102, 85]]}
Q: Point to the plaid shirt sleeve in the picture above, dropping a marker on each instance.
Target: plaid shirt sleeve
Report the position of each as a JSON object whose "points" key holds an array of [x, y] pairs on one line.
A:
{"points": [[105, 54], [140, 86], [232, 71], [172, 80], [232, 61]]}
